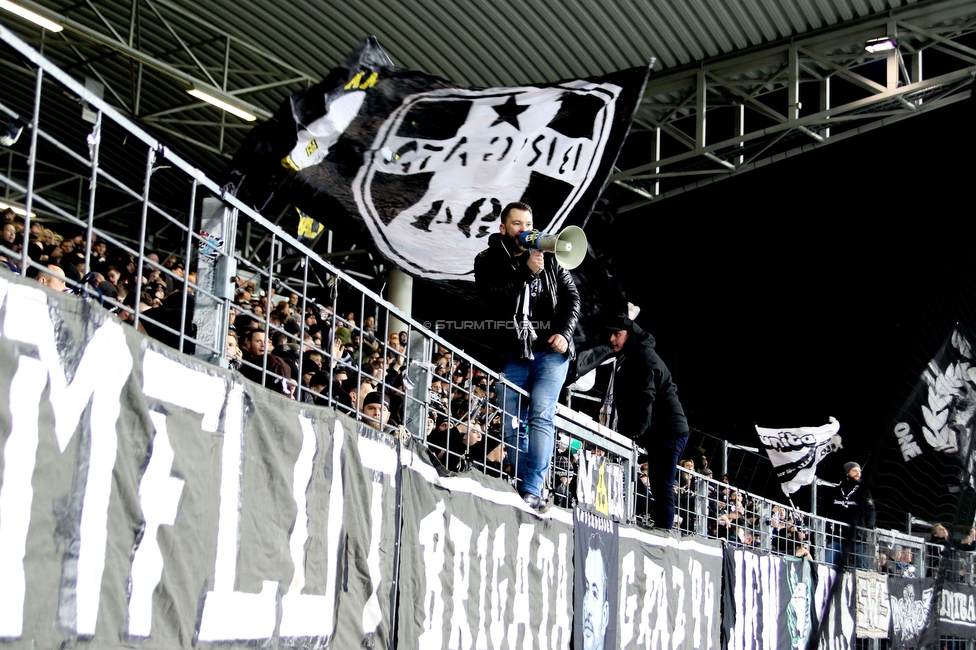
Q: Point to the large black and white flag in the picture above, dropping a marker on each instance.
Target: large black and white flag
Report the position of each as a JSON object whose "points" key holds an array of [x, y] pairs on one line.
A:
{"points": [[426, 165], [911, 610], [927, 460], [956, 615], [795, 453]]}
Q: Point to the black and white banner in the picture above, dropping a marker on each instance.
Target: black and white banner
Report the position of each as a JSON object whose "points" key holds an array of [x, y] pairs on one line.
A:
{"points": [[427, 165], [833, 607], [957, 611], [911, 610], [873, 606], [478, 567], [928, 459], [795, 453], [670, 592], [595, 595], [775, 602], [150, 500]]}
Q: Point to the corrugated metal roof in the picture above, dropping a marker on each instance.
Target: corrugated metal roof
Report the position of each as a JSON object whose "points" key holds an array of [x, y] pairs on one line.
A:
{"points": [[272, 48]]}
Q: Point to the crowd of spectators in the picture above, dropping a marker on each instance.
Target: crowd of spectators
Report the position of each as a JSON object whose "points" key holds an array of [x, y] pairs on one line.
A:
{"points": [[318, 356]]}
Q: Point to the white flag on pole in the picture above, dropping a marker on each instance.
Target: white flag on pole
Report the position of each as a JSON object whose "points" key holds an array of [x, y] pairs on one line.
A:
{"points": [[795, 453]]}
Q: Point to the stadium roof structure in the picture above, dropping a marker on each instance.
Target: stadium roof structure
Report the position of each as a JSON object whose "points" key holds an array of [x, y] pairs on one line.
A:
{"points": [[736, 84]]}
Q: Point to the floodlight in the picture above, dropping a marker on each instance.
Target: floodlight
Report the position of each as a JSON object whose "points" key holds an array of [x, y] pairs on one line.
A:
{"points": [[223, 102], [883, 44], [27, 14]]}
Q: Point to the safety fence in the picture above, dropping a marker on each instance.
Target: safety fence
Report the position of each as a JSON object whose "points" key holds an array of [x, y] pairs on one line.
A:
{"points": [[157, 242]]}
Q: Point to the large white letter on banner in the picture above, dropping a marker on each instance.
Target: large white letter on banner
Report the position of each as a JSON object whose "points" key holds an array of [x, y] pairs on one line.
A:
{"points": [[159, 496], [460, 637], [381, 458], [628, 575], [521, 609], [17, 492], [431, 537], [562, 631], [499, 590], [481, 640], [547, 570], [28, 320], [303, 614], [167, 381], [230, 615], [655, 602]]}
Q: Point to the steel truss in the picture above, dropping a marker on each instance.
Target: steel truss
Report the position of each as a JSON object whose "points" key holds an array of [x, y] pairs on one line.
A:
{"points": [[730, 115], [197, 52]]}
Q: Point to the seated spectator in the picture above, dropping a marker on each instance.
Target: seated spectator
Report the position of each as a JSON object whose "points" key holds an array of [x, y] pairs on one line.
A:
{"points": [[686, 491], [968, 543], [278, 374], [233, 351], [163, 322], [790, 538], [904, 558], [723, 529], [937, 550], [883, 561], [53, 278], [744, 537], [376, 410]]}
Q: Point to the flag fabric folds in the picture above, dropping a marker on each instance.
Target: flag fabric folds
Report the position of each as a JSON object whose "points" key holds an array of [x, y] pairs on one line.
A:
{"points": [[795, 453], [928, 456], [426, 165]]}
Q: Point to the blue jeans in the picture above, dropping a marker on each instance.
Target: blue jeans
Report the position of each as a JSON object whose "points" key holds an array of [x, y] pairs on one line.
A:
{"points": [[530, 452], [662, 466]]}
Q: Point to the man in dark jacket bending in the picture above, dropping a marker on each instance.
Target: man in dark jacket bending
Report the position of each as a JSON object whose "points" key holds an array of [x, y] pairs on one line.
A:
{"points": [[642, 404], [537, 306]]}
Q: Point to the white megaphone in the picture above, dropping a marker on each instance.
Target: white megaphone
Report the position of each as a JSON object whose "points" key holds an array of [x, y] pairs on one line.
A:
{"points": [[569, 246]]}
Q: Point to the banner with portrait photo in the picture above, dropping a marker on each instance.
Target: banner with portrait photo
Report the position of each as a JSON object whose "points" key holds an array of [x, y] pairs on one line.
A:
{"points": [[595, 585]]}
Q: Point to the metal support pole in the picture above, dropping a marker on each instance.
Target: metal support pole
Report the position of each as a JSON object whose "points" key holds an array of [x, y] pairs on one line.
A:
{"points": [[94, 144], [150, 159], [31, 164], [401, 294], [140, 263], [724, 467], [186, 262]]}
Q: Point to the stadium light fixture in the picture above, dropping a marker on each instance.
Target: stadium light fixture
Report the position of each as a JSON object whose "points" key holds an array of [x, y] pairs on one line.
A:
{"points": [[883, 44], [27, 14], [223, 102]]}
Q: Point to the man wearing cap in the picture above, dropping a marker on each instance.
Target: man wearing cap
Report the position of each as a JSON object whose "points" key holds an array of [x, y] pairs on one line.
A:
{"points": [[641, 387], [851, 503], [376, 409], [536, 305]]}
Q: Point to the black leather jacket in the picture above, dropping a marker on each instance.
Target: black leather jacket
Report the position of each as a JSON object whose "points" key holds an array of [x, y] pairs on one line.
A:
{"points": [[500, 278], [642, 387]]}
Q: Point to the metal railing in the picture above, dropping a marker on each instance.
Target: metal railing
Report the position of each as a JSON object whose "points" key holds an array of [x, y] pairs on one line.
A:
{"points": [[154, 239]]}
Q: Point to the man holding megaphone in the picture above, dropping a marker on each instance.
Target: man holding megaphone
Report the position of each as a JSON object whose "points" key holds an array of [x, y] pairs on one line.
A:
{"points": [[537, 305]]}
